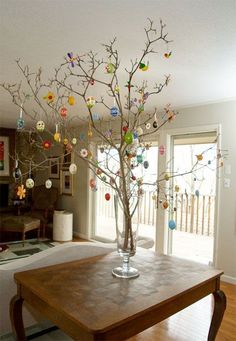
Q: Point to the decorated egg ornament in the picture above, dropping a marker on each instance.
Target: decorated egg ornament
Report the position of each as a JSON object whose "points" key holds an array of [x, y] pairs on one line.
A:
{"points": [[20, 123], [71, 100], [63, 112], [128, 137], [90, 101], [172, 224], [107, 196], [29, 183], [40, 126], [114, 111], [73, 168], [48, 183]]}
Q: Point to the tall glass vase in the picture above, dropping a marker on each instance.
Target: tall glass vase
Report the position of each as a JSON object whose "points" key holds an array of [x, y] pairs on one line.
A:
{"points": [[127, 233]]}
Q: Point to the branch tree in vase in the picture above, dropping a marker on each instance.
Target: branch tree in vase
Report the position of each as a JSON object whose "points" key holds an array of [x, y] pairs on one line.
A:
{"points": [[130, 126]]}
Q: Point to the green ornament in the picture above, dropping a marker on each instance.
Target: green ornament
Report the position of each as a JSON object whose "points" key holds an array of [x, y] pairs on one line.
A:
{"points": [[128, 137], [140, 158]]}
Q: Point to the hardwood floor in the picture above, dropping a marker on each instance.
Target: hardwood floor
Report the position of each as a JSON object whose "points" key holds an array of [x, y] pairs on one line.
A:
{"points": [[192, 323]]}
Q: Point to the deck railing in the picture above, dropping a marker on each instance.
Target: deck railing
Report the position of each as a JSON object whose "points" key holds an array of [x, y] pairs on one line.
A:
{"points": [[193, 214]]}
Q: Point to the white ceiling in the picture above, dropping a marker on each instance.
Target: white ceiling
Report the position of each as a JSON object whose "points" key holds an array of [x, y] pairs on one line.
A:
{"points": [[203, 65]]}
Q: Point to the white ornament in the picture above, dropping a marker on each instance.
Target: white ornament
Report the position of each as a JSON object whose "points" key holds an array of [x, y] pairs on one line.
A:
{"points": [[29, 183], [40, 125], [74, 140], [148, 126], [139, 131], [73, 168], [48, 183]]}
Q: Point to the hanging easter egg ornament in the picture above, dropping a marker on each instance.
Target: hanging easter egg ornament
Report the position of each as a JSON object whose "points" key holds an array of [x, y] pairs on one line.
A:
{"points": [[197, 193], [90, 101], [140, 158], [167, 54], [17, 171], [84, 152], [172, 224], [73, 168], [71, 100], [167, 177], [74, 141], [199, 157], [162, 150], [146, 164], [40, 126], [148, 125], [65, 141], [114, 111], [21, 192], [128, 137], [117, 89], [102, 149], [46, 144], [176, 188], [29, 183], [20, 123], [82, 136], [125, 129], [155, 125], [107, 196], [110, 68], [165, 205], [48, 183], [139, 130], [143, 66], [63, 112], [57, 135]]}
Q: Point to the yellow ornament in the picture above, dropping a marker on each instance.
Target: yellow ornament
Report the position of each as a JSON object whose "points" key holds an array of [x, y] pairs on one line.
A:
{"points": [[165, 205], [90, 133], [21, 192], [57, 137], [199, 157], [71, 100], [176, 188], [167, 177], [65, 141]]}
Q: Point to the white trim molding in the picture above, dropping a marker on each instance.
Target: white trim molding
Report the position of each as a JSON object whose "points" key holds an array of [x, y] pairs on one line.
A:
{"points": [[228, 279]]}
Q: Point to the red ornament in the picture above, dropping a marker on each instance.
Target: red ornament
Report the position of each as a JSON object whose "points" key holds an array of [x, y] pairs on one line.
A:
{"points": [[133, 177], [125, 128], [107, 196], [47, 144]]}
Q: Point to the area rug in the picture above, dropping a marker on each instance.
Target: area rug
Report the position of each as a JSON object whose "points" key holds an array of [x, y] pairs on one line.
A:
{"points": [[16, 250]]}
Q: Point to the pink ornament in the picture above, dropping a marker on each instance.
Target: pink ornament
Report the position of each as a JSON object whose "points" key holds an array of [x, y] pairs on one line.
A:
{"points": [[162, 150], [63, 112]]}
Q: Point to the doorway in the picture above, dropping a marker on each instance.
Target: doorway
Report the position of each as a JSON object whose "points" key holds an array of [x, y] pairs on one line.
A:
{"points": [[194, 197]]}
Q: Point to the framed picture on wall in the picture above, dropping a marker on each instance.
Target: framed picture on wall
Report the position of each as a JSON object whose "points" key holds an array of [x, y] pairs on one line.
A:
{"points": [[66, 182], [4, 156], [54, 167]]}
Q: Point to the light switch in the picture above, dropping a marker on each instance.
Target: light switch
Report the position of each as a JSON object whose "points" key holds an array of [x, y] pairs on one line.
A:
{"points": [[226, 182]]}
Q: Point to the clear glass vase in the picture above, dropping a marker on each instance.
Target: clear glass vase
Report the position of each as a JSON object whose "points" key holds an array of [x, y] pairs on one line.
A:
{"points": [[127, 233]]}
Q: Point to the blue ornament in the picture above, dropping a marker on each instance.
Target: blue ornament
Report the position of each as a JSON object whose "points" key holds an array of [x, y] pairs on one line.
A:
{"points": [[114, 111], [197, 193], [172, 224], [140, 158], [82, 136], [146, 164], [20, 123], [135, 134]]}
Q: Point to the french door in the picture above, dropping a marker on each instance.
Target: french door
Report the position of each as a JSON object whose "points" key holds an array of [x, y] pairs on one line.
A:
{"points": [[194, 197]]}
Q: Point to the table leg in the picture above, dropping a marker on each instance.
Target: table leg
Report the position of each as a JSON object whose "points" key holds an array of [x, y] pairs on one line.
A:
{"points": [[218, 313], [16, 318]]}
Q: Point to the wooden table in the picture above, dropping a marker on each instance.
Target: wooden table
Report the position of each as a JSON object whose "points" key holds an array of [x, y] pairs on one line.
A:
{"points": [[85, 301]]}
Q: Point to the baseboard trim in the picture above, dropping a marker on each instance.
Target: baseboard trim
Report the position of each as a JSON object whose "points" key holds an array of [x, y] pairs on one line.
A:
{"points": [[81, 235], [228, 279]]}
